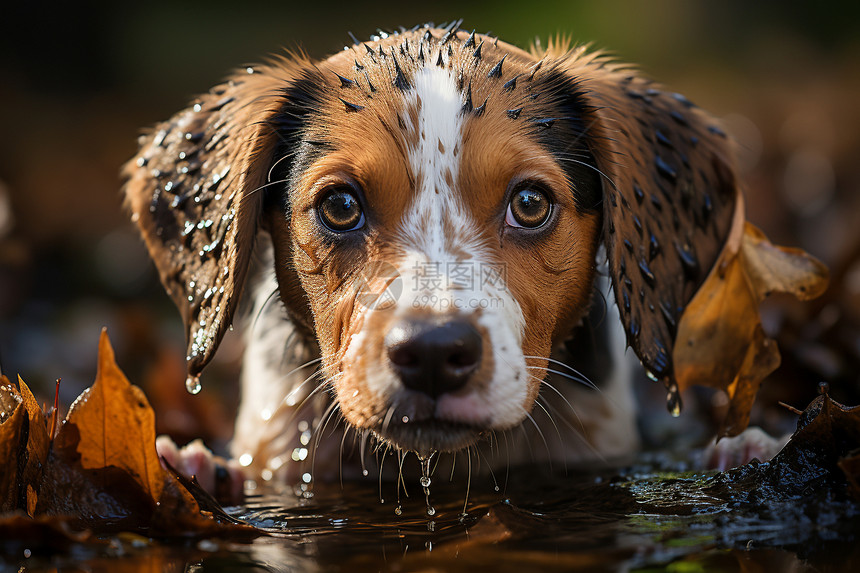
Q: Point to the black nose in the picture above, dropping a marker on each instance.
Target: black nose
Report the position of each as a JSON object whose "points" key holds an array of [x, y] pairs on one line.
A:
{"points": [[434, 358]]}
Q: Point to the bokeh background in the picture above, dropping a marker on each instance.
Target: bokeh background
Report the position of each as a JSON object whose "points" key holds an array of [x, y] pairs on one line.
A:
{"points": [[79, 81]]}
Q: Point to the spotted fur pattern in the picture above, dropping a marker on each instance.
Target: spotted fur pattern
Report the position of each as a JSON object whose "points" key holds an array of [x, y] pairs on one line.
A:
{"points": [[435, 128]]}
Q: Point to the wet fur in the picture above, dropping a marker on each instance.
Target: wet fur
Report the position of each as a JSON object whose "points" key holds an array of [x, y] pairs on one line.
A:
{"points": [[639, 172]]}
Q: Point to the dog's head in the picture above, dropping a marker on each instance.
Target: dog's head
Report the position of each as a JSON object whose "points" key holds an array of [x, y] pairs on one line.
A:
{"points": [[436, 200]]}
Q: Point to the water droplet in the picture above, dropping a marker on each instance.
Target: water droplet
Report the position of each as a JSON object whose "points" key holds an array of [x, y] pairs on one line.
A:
{"points": [[299, 454], [305, 438], [823, 388], [673, 400], [398, 510], [428, 545], [651, 376], [496, 488], [425, 481], [245, 460], [405, 419], [364, 473], [192, 384], [306, 477]]}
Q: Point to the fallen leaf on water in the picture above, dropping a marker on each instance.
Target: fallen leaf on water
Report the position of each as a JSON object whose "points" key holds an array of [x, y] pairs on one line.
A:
{"points": [[720, 341], [11, 419], [23, 446], [38, 444], [820, 458], [825, 442], [114, 426], [102, 470]]}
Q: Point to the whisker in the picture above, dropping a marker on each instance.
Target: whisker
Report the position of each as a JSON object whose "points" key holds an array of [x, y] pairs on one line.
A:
{"points": [[401, 455], [340, 459], [468, 481], [550, 418], [508, 464], [539, 404], [522, 428], [579, 434], [264, 186], [362, 452], [272, 296], [590, 166], [584, 381], [566, 401], [275, 165], [329, 412], [490, 468], [563, 365], [380, 464], [542, 437], [387, 420]]}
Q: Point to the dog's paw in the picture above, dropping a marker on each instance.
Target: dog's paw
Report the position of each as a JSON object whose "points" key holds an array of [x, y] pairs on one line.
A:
{"points": [[752, 443], [222, 478]]}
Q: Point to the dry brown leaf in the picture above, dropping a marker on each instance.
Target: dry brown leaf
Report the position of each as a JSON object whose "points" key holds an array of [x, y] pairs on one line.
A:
{"points": [[21, 419], [12, 416], [116, 426], [823, 449], [716, 329], [37, 447], [772, 268], [762, 358], [720, 341], [103, 471]]}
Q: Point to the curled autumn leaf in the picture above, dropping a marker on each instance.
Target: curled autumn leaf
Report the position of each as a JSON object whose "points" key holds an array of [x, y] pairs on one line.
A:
{"points": [[823, 450], [720, 341], [101, 471], [11, 419], [111, 425], [36, 453], [23, 446]]}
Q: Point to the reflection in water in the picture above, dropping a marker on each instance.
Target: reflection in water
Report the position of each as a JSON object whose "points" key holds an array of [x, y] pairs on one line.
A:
{"points": [[636, 518]]}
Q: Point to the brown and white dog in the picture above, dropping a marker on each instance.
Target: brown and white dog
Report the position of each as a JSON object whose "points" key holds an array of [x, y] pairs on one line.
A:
{"points": [[429, 207]]}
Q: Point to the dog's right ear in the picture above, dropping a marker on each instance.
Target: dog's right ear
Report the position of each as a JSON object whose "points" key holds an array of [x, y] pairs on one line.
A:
{"points": [[196, 191]]}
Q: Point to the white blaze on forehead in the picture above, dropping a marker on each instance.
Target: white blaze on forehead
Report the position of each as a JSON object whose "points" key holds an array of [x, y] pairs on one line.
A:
{"points": [[434, 162], [445, 267]]}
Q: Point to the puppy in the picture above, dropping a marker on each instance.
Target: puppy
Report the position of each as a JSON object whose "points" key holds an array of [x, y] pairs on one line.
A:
{"points": [[429, 208]]}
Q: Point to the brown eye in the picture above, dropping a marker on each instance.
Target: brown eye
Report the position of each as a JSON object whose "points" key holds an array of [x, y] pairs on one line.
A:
{"points": [[340, 210], [529, 208]]}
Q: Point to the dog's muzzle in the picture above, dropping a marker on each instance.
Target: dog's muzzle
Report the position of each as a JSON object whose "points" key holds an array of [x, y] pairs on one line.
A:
{"points": [[434, 357]]}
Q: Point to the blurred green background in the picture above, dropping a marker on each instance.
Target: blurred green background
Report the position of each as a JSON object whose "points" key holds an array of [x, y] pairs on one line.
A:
{"points": [[78, 82]]}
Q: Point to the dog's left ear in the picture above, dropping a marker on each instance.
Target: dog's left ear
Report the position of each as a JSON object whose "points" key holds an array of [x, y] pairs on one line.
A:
{"points": [[670, 193], [194, 190]]}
